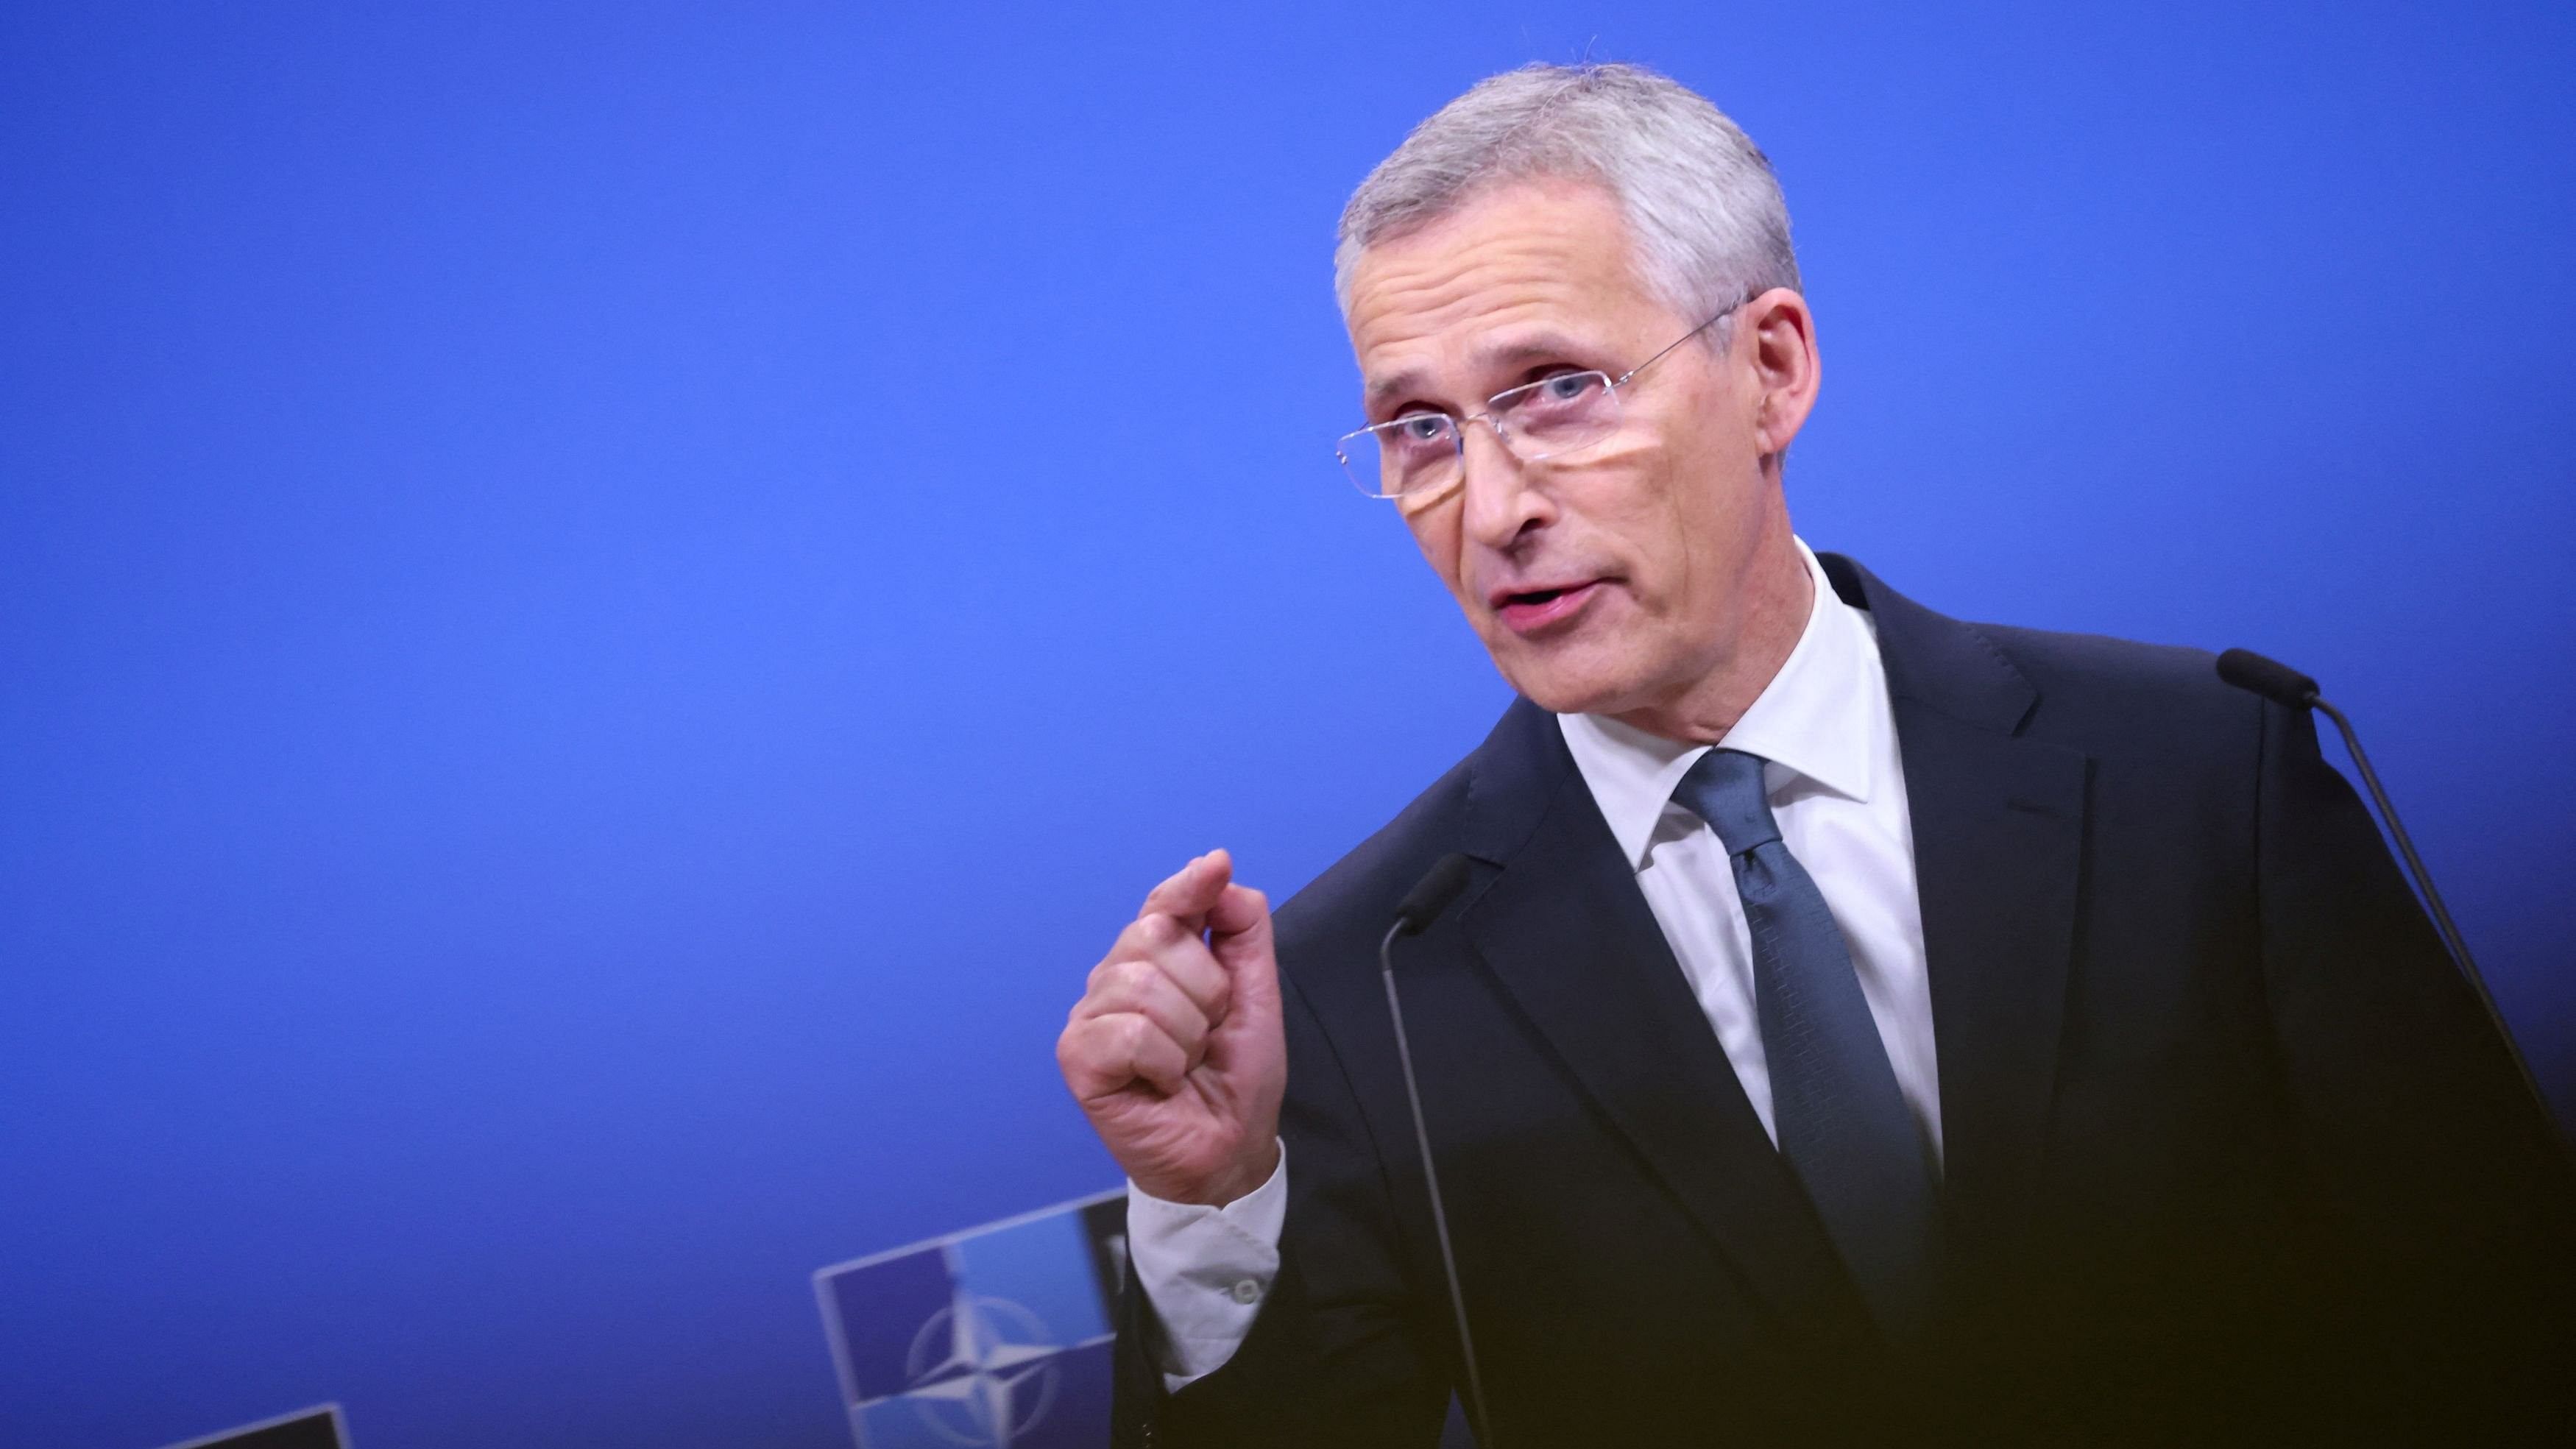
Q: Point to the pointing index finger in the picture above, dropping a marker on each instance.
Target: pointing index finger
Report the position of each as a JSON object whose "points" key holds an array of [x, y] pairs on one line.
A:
{"points": [[1193, 891]]}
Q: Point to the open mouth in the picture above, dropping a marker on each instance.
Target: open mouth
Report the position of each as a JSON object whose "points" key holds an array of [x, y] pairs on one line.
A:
{"points": [[1528, 610]]}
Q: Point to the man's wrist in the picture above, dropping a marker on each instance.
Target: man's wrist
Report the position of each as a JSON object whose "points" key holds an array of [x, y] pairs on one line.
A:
{"points": [[1206, 1270], [1240, 1181]]}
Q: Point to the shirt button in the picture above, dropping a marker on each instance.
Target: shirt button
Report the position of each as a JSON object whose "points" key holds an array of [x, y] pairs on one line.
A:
{"points": [[1247, 1292]]}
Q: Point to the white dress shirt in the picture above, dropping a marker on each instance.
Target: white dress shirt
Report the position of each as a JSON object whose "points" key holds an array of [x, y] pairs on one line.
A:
{"points": [[1837, 789]]}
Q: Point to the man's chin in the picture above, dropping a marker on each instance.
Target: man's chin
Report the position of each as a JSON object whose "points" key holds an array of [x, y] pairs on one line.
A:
{"points": [[1572, 685]]}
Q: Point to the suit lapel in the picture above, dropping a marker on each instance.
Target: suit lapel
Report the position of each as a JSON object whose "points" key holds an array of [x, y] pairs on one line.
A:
{"points": [[1998, 822], [1568, 935], [1998, 825]]}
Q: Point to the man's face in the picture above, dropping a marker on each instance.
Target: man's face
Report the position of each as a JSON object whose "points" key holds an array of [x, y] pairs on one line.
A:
{"points": [[1614, 578]]}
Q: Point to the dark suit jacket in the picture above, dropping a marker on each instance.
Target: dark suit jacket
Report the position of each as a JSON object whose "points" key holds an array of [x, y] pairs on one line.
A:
{"points": [[2232, 1154]]}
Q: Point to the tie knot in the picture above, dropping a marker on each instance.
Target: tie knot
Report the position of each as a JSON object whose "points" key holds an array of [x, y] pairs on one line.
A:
{"points": [[1724, 788]]}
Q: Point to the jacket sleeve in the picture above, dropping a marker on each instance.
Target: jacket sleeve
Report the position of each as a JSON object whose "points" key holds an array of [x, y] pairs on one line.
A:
{"points": [[2448, 1184], [1334, 1356]]}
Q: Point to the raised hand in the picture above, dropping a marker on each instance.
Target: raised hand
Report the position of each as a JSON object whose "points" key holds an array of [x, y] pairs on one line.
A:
{"points": [[1175, 1050]]}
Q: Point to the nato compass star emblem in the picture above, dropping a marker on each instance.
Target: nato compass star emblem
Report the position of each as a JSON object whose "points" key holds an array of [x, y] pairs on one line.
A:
{"points": [[983, 1371], [997, 1337]]}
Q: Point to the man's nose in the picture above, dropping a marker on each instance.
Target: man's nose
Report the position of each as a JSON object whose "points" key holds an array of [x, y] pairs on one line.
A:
{"points": [[1500, 505]]}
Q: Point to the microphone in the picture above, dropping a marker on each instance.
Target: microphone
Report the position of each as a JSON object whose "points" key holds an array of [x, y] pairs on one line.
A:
{"points": [[1432, 894], [2284, 686], [1420, 907], [2269, 678]]}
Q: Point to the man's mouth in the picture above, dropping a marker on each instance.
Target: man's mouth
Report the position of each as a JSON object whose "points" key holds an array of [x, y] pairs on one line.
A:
{"points": [[1531, 611]]}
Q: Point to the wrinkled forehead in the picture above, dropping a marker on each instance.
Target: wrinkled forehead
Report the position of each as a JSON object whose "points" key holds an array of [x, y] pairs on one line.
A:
{"points": [[1509, 276]]}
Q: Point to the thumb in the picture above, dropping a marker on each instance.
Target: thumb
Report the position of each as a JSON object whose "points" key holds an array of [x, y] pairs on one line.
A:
{"points": [[1239, 938]]}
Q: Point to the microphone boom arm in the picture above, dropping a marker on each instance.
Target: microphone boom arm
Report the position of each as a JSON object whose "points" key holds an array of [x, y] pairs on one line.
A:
{"points": [[2288, 688], [1431, 1177], [2432, 898]]}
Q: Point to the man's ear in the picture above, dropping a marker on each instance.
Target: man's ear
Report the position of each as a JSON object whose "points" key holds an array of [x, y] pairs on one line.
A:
{"points": [[1786, 368]]}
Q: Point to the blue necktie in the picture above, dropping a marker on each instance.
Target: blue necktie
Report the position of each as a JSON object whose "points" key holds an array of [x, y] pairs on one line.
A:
{"points": [[1842, 1124]]}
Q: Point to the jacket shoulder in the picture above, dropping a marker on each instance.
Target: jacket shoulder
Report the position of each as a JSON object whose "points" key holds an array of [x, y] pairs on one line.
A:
{"points": [[2108, 694], [2089, 691]]}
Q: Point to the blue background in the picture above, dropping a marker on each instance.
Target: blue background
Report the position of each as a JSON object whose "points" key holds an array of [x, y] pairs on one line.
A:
{"points": [[602, 608]]}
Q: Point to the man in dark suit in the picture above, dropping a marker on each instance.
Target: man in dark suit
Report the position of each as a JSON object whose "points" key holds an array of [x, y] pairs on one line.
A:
{"points": [[1855, 1023]]}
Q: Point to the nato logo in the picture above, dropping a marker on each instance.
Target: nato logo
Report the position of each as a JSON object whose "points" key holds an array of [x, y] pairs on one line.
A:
{"points": [[997, 1336]]}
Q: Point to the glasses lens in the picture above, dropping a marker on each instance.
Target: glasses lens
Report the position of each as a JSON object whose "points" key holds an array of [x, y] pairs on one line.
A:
{"points": [[1393, 459], [1555, 414]]}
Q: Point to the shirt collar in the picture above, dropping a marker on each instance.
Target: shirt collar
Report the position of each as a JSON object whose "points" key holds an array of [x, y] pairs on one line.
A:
{"points": [[1813, 719]]}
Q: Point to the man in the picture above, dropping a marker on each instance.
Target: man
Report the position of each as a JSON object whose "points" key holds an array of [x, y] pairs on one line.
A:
{"points": [[1855, 1022]]}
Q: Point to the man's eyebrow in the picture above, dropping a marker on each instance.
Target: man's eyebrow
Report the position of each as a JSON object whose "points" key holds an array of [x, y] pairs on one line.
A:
{"points": [[1395, 384], [1527, 347], [1530, 346]]}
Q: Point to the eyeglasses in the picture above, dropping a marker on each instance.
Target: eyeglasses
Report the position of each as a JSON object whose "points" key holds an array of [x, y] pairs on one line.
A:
{"points": [[1419, 454]]}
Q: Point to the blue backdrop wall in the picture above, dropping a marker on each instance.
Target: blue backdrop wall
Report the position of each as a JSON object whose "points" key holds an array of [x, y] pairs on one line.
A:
{"points": [[602, 608]]}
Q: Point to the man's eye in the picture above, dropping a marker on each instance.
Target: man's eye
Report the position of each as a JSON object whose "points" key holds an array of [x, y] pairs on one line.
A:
{"points": [[1568, 387], [1417, 429]]}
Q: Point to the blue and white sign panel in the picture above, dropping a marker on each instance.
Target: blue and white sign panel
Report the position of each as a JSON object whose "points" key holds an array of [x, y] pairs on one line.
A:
{"points": [[996, 1336]]}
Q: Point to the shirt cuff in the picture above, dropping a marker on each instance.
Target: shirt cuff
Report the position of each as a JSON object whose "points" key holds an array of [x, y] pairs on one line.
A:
{"points": [[1206, 1270]]}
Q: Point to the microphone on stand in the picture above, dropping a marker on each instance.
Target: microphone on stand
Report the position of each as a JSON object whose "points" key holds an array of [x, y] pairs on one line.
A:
{"points": [[1421, 906], [2287, 687]]}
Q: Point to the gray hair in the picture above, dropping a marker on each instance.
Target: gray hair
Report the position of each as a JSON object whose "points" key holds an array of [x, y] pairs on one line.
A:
{"points": [[1704, 211]]}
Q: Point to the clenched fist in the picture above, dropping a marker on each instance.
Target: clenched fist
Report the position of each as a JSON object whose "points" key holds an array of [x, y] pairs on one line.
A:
{"points": [[1175, 1050]]}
